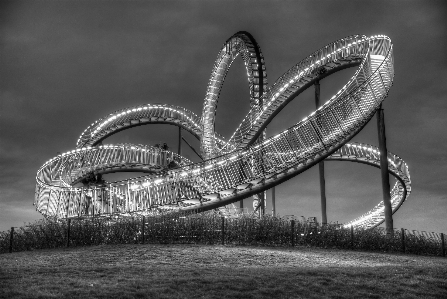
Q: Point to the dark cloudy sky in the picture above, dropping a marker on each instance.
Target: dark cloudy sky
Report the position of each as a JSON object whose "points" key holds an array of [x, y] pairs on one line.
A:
{"points": [[63, 64]]}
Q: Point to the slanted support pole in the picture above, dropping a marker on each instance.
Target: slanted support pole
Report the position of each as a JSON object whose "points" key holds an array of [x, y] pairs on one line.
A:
{"points": [[273, 202], [384, 171], [321, 166], [193, 149]]}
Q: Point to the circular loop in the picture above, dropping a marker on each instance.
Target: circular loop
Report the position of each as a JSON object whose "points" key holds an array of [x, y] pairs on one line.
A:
{"points": [[243, 44], [237, 168]]}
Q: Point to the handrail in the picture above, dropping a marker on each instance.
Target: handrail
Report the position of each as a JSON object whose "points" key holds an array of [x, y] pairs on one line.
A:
{"points": [[239, 167]]}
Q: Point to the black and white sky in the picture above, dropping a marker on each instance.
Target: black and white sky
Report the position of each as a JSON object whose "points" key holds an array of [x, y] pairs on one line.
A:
{"points": [[64, 64]]}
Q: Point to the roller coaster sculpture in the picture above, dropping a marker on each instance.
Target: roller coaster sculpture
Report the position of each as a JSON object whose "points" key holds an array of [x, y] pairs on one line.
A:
{"points": [[243, 165]]}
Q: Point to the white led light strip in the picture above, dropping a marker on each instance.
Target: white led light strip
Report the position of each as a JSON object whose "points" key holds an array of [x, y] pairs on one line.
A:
{"points": [[240, 167]]}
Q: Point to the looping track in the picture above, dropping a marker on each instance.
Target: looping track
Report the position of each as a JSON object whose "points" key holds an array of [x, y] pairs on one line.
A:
{"points": [[243, 165]]}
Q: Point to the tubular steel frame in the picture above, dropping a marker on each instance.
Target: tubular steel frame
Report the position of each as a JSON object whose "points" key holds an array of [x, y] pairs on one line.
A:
{"points": [[244, 164]]}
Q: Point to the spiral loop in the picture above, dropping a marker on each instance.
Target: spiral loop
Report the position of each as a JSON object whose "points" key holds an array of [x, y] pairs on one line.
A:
{"points": [[241, 166]]}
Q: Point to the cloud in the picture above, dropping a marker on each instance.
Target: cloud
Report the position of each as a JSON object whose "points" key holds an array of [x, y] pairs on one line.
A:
{"points": [[66, 64]]}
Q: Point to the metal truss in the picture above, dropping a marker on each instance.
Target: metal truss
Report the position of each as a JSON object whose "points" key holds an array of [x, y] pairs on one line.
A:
{"points": [[243, 165]]}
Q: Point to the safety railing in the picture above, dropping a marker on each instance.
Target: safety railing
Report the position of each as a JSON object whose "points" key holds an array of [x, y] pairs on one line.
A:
{"points": [[213, 228], [132, 116], [252, 168]]}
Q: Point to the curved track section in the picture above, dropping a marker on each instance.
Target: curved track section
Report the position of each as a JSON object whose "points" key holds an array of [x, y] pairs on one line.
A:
{"points": [[117, 158], [143, 115], [139, 115], [370, 155], [243, 44], [245, 167]]}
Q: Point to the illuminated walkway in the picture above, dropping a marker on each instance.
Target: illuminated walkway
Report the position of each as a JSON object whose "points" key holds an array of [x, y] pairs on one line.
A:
{"points": [[245, 164]]}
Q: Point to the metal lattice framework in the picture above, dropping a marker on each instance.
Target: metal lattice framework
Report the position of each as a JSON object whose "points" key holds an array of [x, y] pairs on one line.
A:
{"points": [[244, 164]]}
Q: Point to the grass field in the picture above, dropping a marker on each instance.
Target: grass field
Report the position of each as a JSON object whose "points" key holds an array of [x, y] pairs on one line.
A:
{"points": [[205, 271]]}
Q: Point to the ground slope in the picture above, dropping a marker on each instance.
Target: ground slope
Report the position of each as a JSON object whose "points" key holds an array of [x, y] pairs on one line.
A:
{"points": [[206, 271]]}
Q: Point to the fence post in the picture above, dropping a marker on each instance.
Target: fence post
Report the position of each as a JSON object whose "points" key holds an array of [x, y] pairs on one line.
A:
{"points": [[442, 245], [142, 229], [223, 230], [335, 238], [11, 239], [402, 231], [292, 226], [68, 232], [352, 237]]}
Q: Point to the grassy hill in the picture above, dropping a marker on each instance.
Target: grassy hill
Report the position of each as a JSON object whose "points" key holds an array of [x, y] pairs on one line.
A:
{"points": [[206, 271]]}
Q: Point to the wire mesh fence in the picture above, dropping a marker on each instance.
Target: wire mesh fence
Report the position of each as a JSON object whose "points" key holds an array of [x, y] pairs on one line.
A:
{"points": [[213, 228]]}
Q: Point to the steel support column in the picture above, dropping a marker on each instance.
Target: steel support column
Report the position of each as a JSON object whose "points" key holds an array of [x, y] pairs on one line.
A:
{"points": [[321, 165], [273, 202], [384, 171], [262, 203], [179, 141]]}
